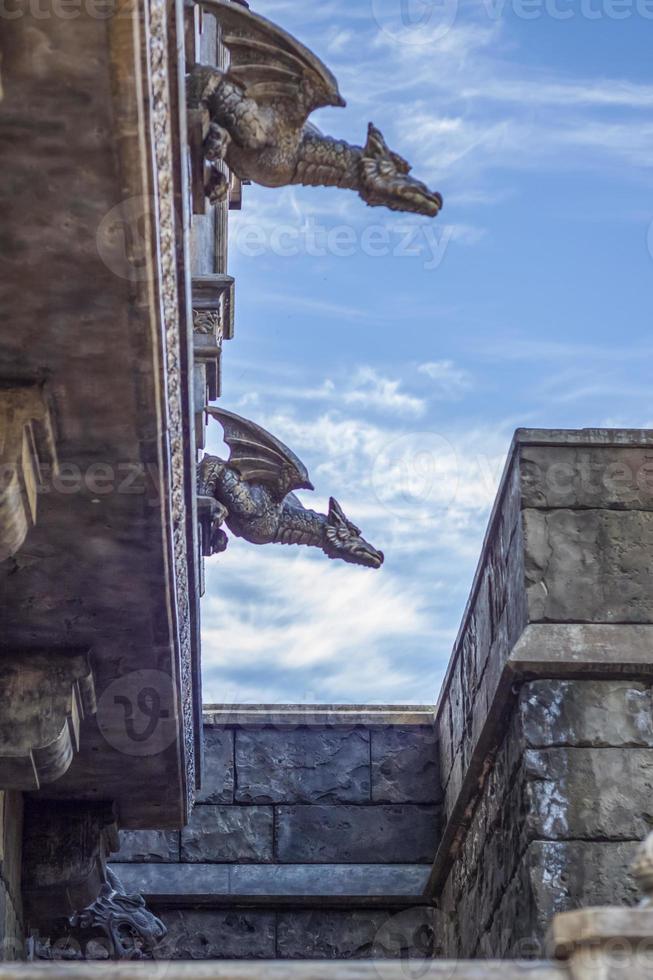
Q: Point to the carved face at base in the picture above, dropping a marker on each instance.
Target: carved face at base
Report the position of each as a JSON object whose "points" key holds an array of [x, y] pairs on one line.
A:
{"points": [[344, 541], [387, 181]]}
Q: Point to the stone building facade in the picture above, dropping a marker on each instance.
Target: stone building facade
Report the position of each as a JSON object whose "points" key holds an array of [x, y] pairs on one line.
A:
{"points": [[313, 837], [453, 831]]}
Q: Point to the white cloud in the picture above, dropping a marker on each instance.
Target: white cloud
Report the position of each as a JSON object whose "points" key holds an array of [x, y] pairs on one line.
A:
{"points": [[372, 390], [449, 381]]}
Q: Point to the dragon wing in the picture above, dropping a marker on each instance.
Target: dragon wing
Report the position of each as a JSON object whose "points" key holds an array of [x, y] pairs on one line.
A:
{"points": [[259, 457], [272, 67]]}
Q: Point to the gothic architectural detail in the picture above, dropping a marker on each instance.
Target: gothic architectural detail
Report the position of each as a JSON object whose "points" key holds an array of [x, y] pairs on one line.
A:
{"points": [[255, 488], [44, 697], [27, 445], [157, 14], [131, 930], [255, 120], [213, 322]]}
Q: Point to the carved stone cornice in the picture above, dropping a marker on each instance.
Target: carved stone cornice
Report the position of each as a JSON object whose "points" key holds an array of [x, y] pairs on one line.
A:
{"points": [[26, 445], [44, 697], [157, 15]]}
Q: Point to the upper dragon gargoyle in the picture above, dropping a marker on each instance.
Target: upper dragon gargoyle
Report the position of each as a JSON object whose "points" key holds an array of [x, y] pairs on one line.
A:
{"points": [[259, 109], [255, 499]]}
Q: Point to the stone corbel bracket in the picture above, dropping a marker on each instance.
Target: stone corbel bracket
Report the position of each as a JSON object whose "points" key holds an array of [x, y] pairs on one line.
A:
{"points": [[44, 697], [213, 322], [27, 445]]}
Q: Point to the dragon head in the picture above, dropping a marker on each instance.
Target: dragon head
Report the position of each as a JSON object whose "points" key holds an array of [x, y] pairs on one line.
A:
{"points": [[386, 180], [343, 540]]}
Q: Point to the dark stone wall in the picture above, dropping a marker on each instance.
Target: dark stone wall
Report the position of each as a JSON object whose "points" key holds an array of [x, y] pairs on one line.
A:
{"points": [[311, 801], [11, 911], [564, 808]]}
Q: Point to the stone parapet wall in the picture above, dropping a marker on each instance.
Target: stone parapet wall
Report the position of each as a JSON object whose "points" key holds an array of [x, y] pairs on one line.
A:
{"points": [[545, 722], [11, 908], [313, 830]]}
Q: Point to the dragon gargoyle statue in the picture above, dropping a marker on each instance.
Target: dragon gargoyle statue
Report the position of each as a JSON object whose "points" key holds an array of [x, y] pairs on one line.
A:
{"points": [[253, 494], [259, 109]]}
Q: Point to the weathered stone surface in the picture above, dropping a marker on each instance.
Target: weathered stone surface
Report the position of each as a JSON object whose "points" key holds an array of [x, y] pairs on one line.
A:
{"points": [[587, 476], [591, 713], [213, 884], [401, 834], [218, 771], [154, 846], [589, 565], [228, 833], [405, 766], [215, 935], [589, 793], [303, 766], [325, 934]]}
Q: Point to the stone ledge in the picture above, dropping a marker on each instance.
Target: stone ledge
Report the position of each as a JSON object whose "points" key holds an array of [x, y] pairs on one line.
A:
{"points": [[284, 970], [544, 651], [220, 884], [322, 715]]}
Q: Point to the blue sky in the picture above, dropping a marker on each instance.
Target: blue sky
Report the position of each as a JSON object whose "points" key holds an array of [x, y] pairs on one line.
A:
{"points": [[367, 339]]}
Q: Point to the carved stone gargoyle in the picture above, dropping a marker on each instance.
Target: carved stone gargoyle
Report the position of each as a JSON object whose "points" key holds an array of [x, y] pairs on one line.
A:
{"points": [[252, 494], [133, 932], [259, 109]]}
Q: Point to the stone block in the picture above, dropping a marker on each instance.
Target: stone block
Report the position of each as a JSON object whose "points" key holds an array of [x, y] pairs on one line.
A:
{"points": [[588, 476], [304, 765], [357, 934], [218, 935], [228, 833], [592, 713], [398, 834], [405, 765], [218, 771], [589, 793], [589, 565], [154, 846]]}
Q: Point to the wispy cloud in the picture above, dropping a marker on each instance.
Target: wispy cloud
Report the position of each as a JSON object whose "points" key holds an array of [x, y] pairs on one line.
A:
{"points": [[372, 390]]}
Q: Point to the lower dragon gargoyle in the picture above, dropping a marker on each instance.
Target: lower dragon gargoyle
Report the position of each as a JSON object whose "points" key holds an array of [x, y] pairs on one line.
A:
{"points": [[259, 109], [254, 494]]}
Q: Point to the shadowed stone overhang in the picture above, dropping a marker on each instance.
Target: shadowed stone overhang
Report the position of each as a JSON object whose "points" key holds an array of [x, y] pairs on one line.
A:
{"points": [[94, 301]]}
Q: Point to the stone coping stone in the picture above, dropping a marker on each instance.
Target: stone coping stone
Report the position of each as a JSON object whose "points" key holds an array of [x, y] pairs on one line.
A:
{"points": [[608, 925], [220, 884], [321, 715], [285, 970]]}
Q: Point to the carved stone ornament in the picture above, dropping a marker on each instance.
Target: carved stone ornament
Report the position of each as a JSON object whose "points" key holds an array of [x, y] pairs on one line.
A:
{"points": [[255, 488], [44, 697], [642, 871], [213, 322], [132, 931], [258, 110], [26, 445]]}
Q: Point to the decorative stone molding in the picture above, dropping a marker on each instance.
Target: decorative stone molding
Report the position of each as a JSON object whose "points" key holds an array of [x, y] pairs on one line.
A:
{"points": [[44, 697], [26, 445], [213, 322]]}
